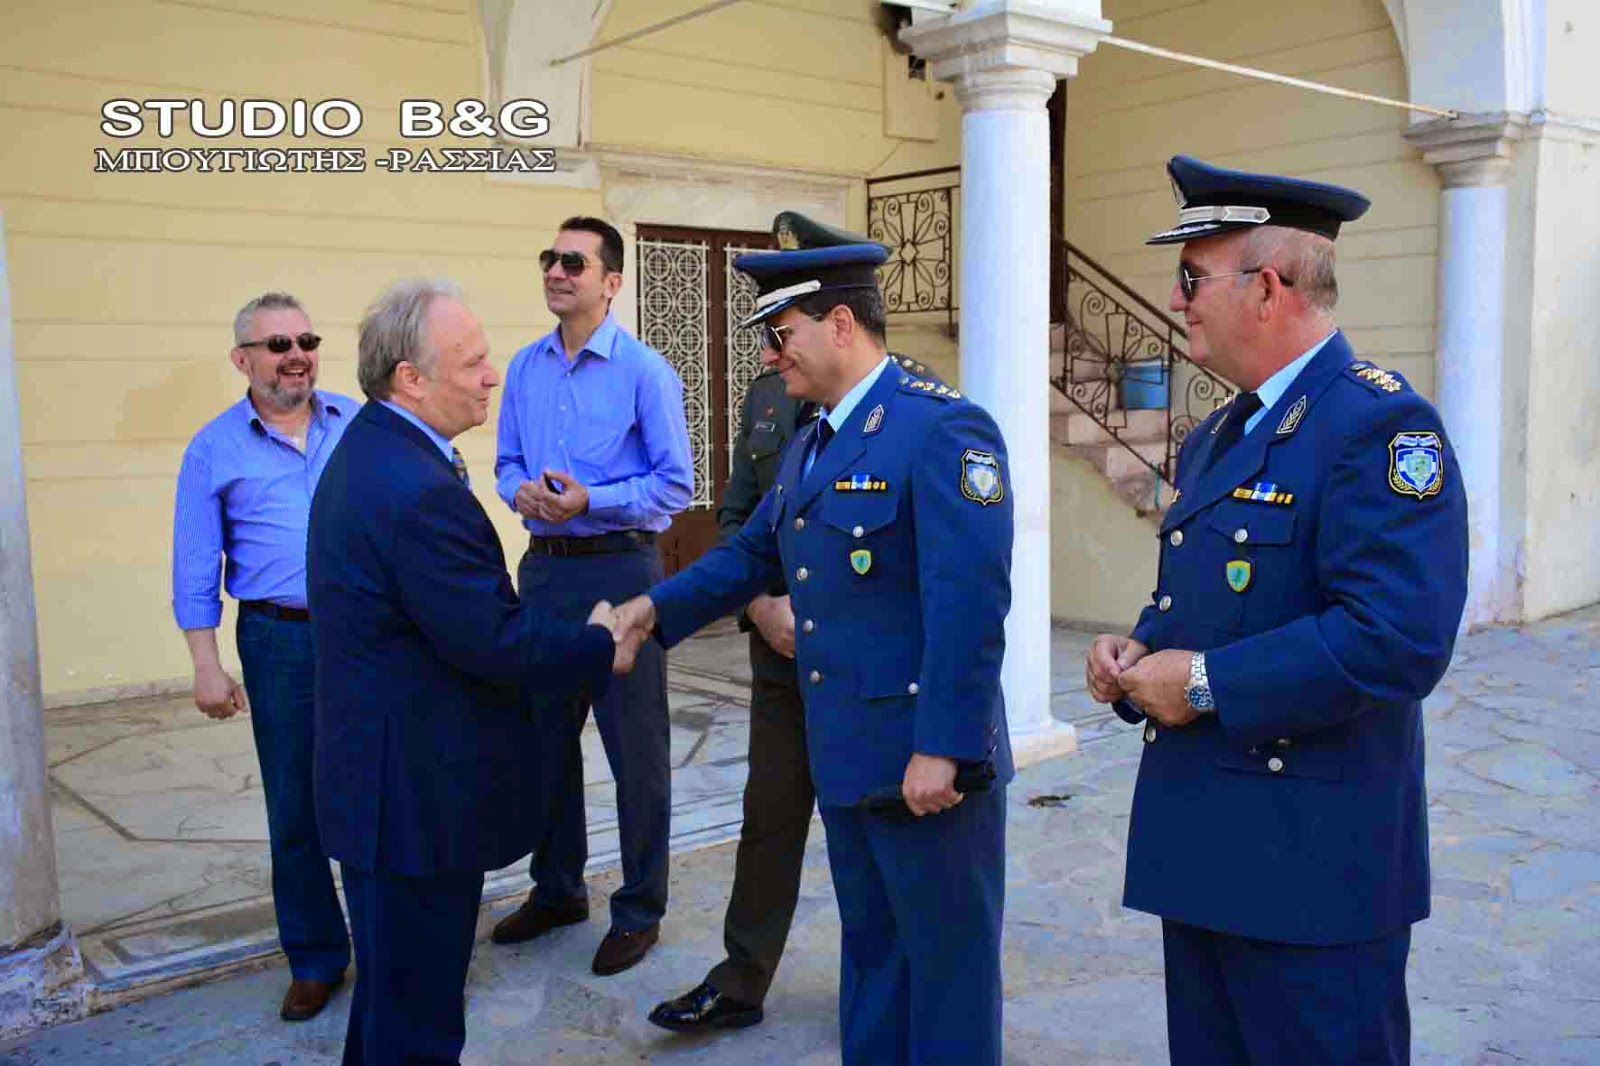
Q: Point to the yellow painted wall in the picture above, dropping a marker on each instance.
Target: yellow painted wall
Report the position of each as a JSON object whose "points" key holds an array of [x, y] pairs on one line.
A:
{"points": [[1127, 113], [124, 286]]}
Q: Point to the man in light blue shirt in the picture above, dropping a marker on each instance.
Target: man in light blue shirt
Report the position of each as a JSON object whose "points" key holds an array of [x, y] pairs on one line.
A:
{"points": [[242, 506], [593, 453]]}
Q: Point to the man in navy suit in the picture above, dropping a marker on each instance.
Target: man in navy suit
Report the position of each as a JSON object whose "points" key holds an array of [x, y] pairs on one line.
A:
{"points": [[426, 663], [1312, 578], [891, 522]]}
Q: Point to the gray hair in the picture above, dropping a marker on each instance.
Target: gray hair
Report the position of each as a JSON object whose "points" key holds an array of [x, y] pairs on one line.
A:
{"points": [[393, 332], [267, 301], [1299, 256]]}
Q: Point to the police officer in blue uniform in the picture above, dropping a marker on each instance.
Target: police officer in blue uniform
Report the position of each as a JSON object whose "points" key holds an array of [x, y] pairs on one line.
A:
{"points": [[891, 520], [1312, 577]]}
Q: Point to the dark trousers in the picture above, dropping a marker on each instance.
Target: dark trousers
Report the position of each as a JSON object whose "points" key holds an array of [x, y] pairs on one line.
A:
{"points": [[278, 663], [921, 905], [778, 798], [1233, 1001], [413, 943], [632, 716]]}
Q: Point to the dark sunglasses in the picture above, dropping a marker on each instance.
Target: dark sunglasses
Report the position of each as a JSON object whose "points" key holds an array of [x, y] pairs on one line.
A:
{"points": [[773, 336], [277, 344], [1189, 281], [572, 263]]}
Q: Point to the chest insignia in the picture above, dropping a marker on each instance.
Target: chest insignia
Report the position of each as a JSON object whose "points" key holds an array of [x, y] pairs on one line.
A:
{"points": [[874, 421], [1238, 574], [1416, 464], [861, 561], [861, 483], [1263, 492], [1291, 418], [980, 477]]}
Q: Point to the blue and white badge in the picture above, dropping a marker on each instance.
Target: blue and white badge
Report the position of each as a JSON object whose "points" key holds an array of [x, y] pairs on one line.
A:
{"points": [[980, 477], [1416, 464]]}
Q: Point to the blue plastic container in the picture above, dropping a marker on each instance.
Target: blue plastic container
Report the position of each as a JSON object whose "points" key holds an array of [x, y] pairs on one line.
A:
{"points": [[1144, 386]]}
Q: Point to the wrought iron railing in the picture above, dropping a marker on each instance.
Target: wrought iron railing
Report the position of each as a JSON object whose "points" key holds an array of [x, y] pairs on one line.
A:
{"points": [[1121, 353], [915, 215]]}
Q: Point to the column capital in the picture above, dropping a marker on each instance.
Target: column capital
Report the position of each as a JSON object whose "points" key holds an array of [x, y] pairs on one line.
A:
{"points": [[1474, 149], [1033, 36]]}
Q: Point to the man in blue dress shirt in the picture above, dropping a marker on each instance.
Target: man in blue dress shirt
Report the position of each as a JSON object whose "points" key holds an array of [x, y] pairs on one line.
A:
{"points": [[594, 455], [243, 501], [1312, 576]]}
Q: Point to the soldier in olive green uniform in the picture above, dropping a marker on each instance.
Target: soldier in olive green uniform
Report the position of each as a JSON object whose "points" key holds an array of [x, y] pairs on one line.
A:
{"points": [[778, 797]]}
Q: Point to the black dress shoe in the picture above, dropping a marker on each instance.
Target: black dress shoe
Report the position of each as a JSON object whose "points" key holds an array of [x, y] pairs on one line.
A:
{"points": [[535, 919], [704, 1008]]}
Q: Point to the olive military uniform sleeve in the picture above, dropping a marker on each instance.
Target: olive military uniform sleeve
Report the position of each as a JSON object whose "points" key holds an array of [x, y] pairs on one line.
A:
{"points": [[1392, 567]]}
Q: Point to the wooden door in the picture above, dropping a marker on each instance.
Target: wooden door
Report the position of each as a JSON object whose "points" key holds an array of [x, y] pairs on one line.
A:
{"points": [[690, 303]]}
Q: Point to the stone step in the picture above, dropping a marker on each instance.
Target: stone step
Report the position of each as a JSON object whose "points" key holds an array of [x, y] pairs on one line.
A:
{"points": [[1116, 461], [1133, 426]]}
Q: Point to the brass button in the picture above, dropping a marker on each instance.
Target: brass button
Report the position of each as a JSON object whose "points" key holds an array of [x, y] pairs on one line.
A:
{"points": [[1241, 535], [801, 574], [1275, 764], [1283, 742], [1165, 604], [799, 523], [808, 626], [912, 688], [816, 676], [1176, 540], [857, 532], [1149, 732]]}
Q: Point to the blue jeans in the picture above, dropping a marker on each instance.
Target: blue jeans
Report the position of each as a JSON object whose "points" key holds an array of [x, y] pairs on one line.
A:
{"points": [[632, 717], [278, 677]]}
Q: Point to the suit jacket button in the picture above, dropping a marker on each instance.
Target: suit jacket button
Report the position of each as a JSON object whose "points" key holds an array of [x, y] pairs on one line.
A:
{"points": [[1165, 604], [1149, 732], [1284, 742], [1176, 540], [912, 688], [801, 574], [1241, 535], [808, 626], [858, 532], [816, 676], [799, 523], [1275, 764]]}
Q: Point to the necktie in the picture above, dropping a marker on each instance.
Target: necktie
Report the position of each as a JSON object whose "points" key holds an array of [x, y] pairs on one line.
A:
{"points": [[1232, 429], [458, 463], [824, 435]]}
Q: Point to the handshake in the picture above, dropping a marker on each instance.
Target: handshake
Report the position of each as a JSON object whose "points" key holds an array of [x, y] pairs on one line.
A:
{"points": [[631, 624]]}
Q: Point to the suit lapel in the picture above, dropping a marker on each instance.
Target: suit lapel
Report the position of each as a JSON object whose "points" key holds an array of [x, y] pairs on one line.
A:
{"points": [[1249, 455], [848, 443], [384, 418]]}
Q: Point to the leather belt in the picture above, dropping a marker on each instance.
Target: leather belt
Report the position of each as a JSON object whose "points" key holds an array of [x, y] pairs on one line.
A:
{"points": [[273, 610], [605, 543]]}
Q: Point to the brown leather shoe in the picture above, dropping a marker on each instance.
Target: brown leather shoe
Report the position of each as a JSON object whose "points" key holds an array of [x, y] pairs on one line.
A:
{"points": [[535, 919], [623, 949], [306, 998]]}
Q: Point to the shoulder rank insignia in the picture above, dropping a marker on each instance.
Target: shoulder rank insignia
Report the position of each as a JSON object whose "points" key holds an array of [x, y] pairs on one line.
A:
{"points": [[1376, 376], [861, 483], [908, 363], [931, 388], [980, 477], [1263, 492], [874, 421], [1291, 419], [1416, 464]]}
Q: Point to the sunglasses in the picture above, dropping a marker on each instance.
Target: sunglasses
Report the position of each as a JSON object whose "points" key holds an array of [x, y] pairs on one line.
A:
{"points": [[277, 344], [1189, 282], [774, 336], [572, 263]]}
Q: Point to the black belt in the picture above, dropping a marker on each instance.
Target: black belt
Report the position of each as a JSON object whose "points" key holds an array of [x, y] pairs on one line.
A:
{"points": [[273, 610], [604, 543]]}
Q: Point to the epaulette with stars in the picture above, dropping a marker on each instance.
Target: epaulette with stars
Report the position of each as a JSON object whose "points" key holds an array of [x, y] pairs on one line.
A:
{"points": [[928, 388], [1376, 378], [908, 363]]}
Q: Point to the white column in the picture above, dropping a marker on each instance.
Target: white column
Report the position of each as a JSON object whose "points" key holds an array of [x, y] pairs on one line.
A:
{"points": [[1004, 57], [40, 970], [1473, 156]]}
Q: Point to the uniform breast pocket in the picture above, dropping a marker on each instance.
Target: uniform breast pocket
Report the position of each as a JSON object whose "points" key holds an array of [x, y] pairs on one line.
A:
{"points": [[1319, 760], [858, 525], [1255, 545]]}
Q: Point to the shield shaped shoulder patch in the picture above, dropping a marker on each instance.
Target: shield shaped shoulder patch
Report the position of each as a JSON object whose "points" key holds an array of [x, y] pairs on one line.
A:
{"points": [[980, 477], [861, 561], [1416, 464], [1238, 573]]}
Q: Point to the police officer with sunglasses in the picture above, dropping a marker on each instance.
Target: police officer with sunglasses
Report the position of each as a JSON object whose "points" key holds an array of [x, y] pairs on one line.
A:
{"points": [[244, 500]]}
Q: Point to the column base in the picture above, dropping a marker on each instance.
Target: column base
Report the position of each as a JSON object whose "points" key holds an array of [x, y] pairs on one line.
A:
{"points": [[1037, 745], [42, 985]]}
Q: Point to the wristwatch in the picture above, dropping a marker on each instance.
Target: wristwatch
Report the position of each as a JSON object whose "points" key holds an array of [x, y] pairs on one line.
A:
{"points": [[1198, 691]]}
